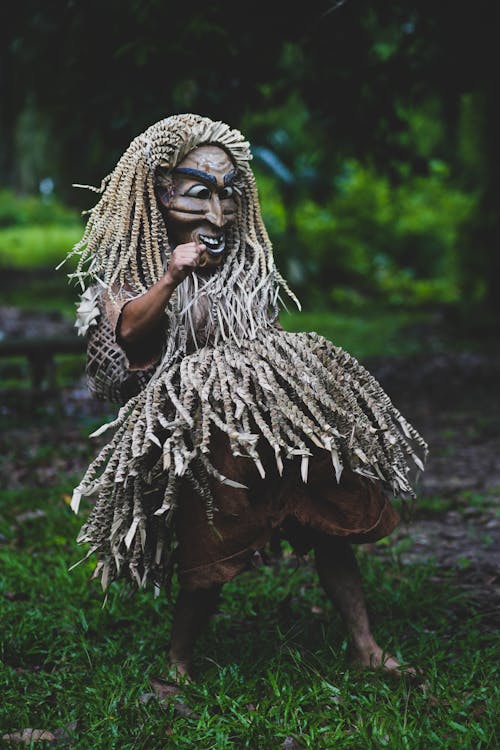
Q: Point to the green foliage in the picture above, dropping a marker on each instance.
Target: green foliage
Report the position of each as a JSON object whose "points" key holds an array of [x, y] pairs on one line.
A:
{"points": [[25, 210], [346, 230], [395, 240], [37, 246], [373, 238], [273, 209], [364, 334], [35, 231]]}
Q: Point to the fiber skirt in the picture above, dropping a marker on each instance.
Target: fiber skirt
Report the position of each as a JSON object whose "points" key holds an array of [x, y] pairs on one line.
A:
{"points": [[284, 431]]}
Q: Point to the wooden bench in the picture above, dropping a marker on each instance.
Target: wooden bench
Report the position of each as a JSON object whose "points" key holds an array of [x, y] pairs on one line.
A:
{"points": [[40, 353]]}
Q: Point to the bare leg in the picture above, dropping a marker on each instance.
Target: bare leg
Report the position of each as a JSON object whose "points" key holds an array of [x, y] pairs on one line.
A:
{"points": [[340, 577], [192, 613]]}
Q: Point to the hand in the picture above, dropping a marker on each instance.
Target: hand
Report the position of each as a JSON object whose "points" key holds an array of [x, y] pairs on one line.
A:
{"points": [[185, 258]]}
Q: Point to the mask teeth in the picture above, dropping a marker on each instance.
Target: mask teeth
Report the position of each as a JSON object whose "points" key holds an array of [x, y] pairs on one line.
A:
{"points": [[213, 250]]}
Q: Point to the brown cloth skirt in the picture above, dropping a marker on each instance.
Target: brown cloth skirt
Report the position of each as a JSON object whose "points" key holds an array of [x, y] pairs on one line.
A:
{"points": [[356, 509]]}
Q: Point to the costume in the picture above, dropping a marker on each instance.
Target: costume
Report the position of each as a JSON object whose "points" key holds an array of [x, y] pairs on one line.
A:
{"points": [[230, 427]]}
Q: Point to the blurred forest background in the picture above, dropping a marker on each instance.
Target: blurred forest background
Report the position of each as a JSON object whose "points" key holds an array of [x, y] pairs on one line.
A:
{"points": [[374, 127]]}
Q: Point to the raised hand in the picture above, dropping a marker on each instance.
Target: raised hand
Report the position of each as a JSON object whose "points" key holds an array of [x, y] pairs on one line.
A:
{"points": [[185, 258]]}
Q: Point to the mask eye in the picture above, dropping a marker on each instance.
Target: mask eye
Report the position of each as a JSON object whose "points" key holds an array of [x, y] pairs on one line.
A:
{"points": [[226, 192], [198, 191]]}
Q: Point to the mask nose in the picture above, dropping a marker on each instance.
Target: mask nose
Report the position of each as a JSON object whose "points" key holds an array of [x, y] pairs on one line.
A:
{"points": [[215, 214]]}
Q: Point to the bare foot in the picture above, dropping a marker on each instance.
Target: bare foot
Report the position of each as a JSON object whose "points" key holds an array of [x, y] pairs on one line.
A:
{"points": [[179, 671], [373, 657]]}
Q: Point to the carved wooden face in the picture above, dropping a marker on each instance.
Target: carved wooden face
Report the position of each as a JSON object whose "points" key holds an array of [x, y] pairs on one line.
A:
{"points": [[203, 204]]}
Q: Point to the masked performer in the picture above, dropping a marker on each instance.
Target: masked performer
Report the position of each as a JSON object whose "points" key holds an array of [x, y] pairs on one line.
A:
{"points": [[230, 428]]}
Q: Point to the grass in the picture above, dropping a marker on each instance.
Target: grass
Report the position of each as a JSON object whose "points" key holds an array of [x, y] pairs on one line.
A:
{"points": [[272, 668]]}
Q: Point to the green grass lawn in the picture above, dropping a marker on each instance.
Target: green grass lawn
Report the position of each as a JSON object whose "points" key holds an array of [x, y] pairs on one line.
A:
{"points": [[272, 668]]}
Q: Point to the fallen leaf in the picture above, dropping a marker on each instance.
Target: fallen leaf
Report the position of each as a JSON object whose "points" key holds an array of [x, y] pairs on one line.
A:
{"points": [[165, 692], [27, 736], [291, 743]]}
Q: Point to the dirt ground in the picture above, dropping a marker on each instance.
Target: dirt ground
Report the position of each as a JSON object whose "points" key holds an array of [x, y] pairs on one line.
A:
{"points": [[454, 401]]}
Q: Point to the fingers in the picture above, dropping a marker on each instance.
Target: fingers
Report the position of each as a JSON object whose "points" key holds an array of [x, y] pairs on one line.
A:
{"points": [[185, 258], [188, 254]]}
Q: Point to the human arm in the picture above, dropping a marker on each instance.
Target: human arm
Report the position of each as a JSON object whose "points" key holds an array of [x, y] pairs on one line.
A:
{"points": [[141, 317]]}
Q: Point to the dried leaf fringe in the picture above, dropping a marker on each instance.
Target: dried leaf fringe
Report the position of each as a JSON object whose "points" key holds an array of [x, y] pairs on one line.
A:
{"points": [[296, 391]]}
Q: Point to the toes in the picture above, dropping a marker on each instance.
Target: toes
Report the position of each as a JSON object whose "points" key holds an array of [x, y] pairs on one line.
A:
{"points": [[392, 667], [180, 673], [377, 660]]}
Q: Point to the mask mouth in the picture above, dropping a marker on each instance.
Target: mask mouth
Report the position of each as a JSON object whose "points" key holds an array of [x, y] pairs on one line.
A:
{"points": [[215, 245]]}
